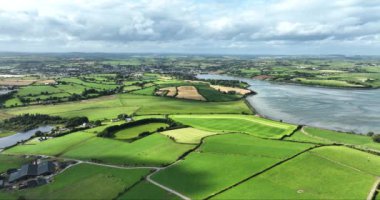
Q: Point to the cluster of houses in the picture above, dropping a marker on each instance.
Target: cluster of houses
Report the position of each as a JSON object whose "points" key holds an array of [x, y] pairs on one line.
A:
{"points": [[36, 173]]}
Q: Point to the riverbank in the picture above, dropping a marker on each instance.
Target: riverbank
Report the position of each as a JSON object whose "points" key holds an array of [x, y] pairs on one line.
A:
{"points": [[345, 110]]}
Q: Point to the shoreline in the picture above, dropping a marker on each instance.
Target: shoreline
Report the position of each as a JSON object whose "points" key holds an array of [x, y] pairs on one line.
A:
{"points": [[254, 108]]}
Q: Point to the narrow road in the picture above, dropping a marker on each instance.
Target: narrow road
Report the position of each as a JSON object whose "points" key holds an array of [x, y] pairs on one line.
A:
{"points": [[148, 178], [371, 194]]}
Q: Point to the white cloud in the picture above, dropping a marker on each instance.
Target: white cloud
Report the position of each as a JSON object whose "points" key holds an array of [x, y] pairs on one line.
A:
{"points": [[189, 26]]}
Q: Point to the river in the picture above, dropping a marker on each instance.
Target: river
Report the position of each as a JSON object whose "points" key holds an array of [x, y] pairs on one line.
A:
{"points": [[21, 136], [349, 110]]}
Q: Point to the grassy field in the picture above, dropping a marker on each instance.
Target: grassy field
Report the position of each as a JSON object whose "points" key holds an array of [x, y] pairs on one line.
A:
{"points": [[85, 181], [302, 137], [152, 150], [213, 95], [188, 135], [145, 190], [332, 83], [155, 149], [133, 132], [5, 133], [344, 138], [222, 161], [311, 176], [8, 162], [109, 107], [237, 123], [52, 147], [145, 91]]}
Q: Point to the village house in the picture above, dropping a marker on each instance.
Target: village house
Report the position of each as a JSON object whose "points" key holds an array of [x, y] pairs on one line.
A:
{"points": [[32, 170]]}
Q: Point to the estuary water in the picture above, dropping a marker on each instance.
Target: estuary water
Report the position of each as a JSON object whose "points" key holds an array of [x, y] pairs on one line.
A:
{"points": [[349, 110], [21, 136]]}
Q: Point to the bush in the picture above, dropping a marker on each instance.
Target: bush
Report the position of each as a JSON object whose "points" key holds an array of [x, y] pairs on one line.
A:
{"points": [[110, 131], [76, 121], [376, 138]]}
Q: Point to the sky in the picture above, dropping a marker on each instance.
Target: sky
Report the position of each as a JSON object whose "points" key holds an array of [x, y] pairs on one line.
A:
{"points": [[286, 27]]}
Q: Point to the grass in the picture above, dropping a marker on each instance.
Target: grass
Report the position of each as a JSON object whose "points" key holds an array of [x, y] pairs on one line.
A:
{"points": [[86, 181], [134, 132], [213, 95], [301, 137], [110, 106], [222, 161], [344, 138], [155, 149], [333, 83], [145, 190], [188, 135], [310, 176], [5, 133], [145, 91], [237, 123], [52, 147], [8, 162]]}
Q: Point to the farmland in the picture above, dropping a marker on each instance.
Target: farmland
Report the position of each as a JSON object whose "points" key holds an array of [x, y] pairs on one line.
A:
{"points": [[237, 123], [81, 182], [133, 132], [145, 127], [315, 175], [310, 134], [152, 150], [229, 161], [110, 106]]}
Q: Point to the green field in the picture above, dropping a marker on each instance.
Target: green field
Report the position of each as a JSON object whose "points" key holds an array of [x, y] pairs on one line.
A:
{"points": [[237, 123], [155, 149], [145, 91], [332, 83], [109, 107], [133, 132], [213, 95], [145, 190], [222, 161], [361, 141], [5, 133], [52, 147], [324, 173], [8, 162], [188, 135], [85, 181]]}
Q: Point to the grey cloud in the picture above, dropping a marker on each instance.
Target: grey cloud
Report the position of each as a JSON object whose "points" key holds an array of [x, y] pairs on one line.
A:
{"points": [[164, 23]]}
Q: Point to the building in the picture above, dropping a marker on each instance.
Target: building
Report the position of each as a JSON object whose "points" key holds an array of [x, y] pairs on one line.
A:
{"points": [[1, 184], [32, 170]]}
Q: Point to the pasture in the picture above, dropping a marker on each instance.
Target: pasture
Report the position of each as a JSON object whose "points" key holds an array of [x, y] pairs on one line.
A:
{"points": [[110, 106], [154, 150], [312, 176], [237, 123], [85, 181], [133, 132], [8, 162], [145, 190], [223, 160], [360, 141], [187, 135]]}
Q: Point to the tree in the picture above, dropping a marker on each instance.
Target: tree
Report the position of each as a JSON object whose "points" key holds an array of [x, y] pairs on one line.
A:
{"points": [[370, 134], [76, 121], [98, 123], [376, 138], [39, 133]]}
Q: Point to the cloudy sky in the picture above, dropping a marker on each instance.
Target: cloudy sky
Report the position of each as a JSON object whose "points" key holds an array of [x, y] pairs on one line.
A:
{"points": [[192, 26]]}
